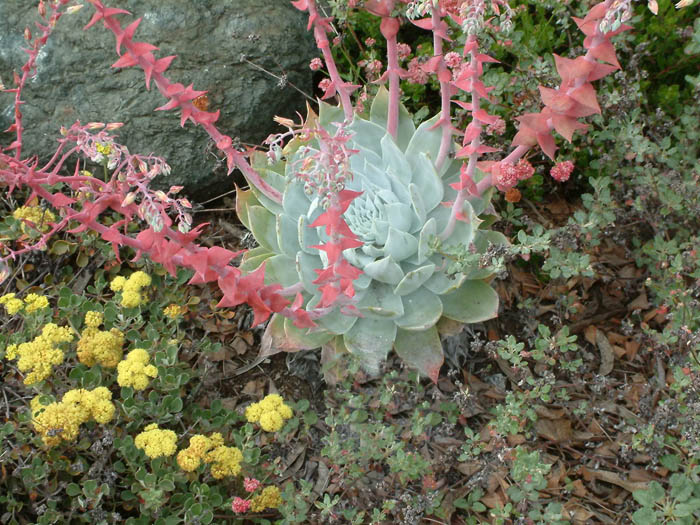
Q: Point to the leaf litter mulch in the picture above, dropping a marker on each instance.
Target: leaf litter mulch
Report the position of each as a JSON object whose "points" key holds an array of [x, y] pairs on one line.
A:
{"points": [[587, 435]]}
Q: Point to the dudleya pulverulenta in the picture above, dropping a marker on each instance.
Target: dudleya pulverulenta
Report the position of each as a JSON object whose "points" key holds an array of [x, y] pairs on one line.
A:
{"points": [[404, 288]]}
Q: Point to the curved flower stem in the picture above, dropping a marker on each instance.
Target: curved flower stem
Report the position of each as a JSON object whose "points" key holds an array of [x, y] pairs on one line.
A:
{"points": [[445, 92]]}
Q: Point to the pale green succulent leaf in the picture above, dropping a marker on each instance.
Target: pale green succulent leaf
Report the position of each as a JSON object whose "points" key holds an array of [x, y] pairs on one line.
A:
{"points": [[400, 215], [421, 350], [428, 231], [287, 235], [379, 301], [400, 245], [441, 284], [253, 258], [281, 269], [371, 341], [294, 201], [307, 237], [428, 181], [282, 336], [244, 200], [328, 115], [395, 160], [425, 141], [385, 270], [421, 310], [367, 135], [418, 205], [379, 114], [262, 224], [305, 266], [334, 321], [474, 302], [275, 180], [414, 279]]}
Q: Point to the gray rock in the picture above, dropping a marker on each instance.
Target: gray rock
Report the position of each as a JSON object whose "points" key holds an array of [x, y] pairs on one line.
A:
{"points": [[75, 81]]}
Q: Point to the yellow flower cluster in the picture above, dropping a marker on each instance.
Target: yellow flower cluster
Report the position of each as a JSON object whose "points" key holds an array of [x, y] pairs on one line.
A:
{"points": [[40, 355], [97, 346], [36, 215], [35, 302], [61, 421], [271, 413], [131, 288], [224, 461], [156, 442], [11, 303], [269, 498], [135, 371], [31, 304], [173, 311]]}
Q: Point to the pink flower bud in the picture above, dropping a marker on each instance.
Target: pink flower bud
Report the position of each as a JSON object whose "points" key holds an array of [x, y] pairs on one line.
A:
{"points": [[315, 64], [562, 170], [251, 484], [240, 505]]}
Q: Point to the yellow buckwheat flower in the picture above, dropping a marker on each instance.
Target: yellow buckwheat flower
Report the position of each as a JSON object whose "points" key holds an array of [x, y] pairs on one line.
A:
{"points": [[224, 461], [99, 347], [156, 442], [35, 215], [39, 356], [11, 303], [35, 302], [131, 288], [135, 371], [173, 311], [270, 413], [269, 498], [94, 319], [60, 421]]}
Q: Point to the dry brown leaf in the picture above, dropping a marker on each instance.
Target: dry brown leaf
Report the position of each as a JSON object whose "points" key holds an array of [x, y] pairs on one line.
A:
{"points": [[640, 302], [614, 479], [556, 430], [607, 356]]}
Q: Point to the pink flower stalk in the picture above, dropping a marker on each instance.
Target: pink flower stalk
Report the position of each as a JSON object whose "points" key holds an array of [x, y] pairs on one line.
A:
{"points": [[239, 505]]}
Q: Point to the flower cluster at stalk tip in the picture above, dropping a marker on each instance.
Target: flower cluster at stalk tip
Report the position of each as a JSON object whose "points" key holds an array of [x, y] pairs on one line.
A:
{"points": [[562, 171], [32, 303], [156, 442], [270, 413], [224, 461], [134, 371], [97, 346], [269, 498], [131, 288], [39, 356], [60, 421]]}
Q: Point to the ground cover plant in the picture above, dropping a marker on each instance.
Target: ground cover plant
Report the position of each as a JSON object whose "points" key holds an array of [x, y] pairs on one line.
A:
{"points": [[141, 380]]}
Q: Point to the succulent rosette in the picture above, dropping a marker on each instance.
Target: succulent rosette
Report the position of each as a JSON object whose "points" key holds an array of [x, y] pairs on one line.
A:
{"points": [[405, 203]]}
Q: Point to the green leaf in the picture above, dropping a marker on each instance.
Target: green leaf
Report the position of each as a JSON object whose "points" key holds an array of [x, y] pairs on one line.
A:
{"points": [[473, 302], [73, 490], [264, 227], [647, 498], [421, 350], [414, 279], [646, 516]]}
